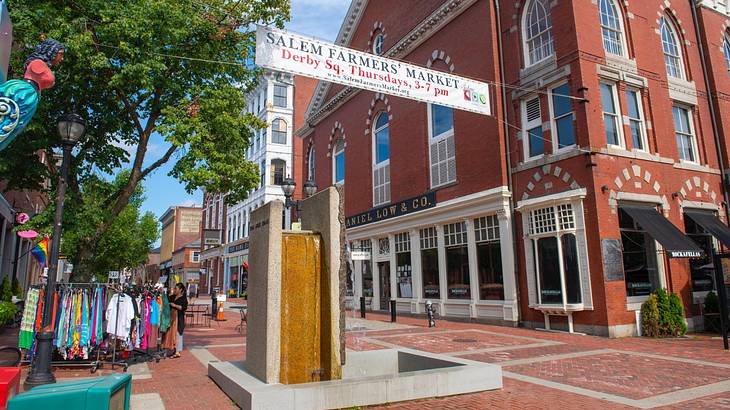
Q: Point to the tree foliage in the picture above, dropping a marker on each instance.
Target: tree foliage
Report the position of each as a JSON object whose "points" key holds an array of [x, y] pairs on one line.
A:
{"points": [[125, 244], [138, 69]]}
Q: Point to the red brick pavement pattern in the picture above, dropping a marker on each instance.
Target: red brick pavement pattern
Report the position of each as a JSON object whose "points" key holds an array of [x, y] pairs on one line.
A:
{"points": [[624, 375], [516, 395], [529, 352], [445, 342], [355, 342], [229, 354], [716, 402]]}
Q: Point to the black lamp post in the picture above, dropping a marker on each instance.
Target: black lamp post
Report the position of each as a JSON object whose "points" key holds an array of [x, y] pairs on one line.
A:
{"points": [[71, 127], [289, 185]]}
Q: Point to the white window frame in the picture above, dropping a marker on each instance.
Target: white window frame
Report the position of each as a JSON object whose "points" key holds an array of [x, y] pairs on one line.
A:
{"points": [[335, 152], [527, 126], [311, 170], [672, 29], [378, 42], [620, 29], [286, 95], [726, 51], [526, 41], [195, 257], [617, 116], [693, 134], [575, 198], [554, 121], [435, 139], [641, 119], [382, 166], [285, 132]]}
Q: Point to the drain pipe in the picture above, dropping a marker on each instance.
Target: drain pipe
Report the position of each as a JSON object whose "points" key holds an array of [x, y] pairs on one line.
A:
{"points": [[503, 94], [713, 115]]}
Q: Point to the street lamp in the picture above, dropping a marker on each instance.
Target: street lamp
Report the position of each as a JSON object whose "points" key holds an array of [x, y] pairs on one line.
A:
{"points": [[289, 185], [71, 127]]}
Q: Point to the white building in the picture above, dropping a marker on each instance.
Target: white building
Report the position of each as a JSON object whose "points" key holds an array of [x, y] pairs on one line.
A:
{"points": [[272, 149]]}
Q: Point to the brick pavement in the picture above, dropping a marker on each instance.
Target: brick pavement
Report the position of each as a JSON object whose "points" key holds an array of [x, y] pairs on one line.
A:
{"points": [[542, 369]]}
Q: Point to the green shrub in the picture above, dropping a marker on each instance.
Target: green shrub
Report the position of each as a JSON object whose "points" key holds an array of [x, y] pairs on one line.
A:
{"points": [[662, 301], [6, 292], [7, 313], [650, 317], [16, 289], [712, 303], [676, 316]]}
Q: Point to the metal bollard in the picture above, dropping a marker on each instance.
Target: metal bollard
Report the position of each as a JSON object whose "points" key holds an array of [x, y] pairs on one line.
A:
{"points": [[362, 307], [430, 313], [392, 311]]}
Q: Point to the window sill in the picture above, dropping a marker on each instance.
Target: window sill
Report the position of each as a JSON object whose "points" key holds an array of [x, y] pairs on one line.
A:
{"points": [[633, 303], [694, 166], [559, 309], [446, 185], [486, 302]]}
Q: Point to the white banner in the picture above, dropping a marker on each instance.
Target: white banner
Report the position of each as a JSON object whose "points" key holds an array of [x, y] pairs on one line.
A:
{"points": [[284, 51], [360, 255]]}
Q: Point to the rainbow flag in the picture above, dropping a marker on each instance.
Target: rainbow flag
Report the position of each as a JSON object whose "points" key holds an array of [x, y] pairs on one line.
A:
{"points": [[40, 251]]}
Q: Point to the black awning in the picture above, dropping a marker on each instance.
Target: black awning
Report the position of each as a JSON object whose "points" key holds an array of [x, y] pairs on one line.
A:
{"points": [[712, 224], [675, 243]]}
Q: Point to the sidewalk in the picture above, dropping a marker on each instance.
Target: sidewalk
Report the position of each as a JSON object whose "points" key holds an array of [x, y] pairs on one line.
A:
{"points": [[542, 370]]}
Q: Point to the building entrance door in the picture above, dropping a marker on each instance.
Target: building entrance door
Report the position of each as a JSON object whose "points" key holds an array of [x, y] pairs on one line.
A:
{"points": [[384, 273]]}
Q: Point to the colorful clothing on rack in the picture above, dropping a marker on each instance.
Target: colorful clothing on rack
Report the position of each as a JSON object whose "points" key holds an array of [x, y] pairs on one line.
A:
{"points": [[27, 325]]}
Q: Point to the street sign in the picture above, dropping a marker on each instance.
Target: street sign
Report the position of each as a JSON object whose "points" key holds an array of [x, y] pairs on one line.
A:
{"points": [[285, 51], [113, 274], [360, 255]]}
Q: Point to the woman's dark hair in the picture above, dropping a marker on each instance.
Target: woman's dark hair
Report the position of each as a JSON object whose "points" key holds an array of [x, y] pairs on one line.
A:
{"points": [[45, 51], [181, 287]]}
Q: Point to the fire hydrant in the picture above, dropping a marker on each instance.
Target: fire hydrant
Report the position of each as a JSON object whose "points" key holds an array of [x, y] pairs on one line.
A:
{"points": [[430, 314]]}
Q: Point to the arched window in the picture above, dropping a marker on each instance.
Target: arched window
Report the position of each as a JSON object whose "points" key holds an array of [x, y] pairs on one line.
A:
{"points": [[537, 32], [278, 131], [310, 158], [338, 162], [611, 27], [378, 43], [381, 160], [278, 169], [726, 51], [671, 49]]}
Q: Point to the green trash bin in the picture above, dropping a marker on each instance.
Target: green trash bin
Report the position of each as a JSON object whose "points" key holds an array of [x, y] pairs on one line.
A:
{"points": [[100, 393]]}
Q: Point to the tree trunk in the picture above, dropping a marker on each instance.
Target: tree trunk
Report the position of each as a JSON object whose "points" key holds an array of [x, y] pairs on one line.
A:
{"points": [[83, 266]]}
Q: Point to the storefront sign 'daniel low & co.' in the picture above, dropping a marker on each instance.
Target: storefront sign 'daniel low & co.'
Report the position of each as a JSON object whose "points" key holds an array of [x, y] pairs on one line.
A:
{"points": [[382, 213]]}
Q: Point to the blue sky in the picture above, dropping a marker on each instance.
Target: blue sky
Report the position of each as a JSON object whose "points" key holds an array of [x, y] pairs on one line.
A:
{"points": [[317, 18]]}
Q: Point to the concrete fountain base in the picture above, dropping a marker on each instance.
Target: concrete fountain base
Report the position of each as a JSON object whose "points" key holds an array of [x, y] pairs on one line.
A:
{"points": [[369, 378]]}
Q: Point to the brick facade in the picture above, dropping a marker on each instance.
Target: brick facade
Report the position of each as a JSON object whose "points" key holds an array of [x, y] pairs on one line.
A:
{"points": [[592, 175]]}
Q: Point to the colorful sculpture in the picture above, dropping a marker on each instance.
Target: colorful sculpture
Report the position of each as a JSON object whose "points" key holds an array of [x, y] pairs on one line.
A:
{"points": [[19, 98]]}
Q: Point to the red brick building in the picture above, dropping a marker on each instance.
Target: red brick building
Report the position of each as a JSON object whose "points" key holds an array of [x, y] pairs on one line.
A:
{"points": [[590, 186]]}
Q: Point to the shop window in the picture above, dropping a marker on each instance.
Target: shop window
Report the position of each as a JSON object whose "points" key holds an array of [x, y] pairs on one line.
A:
{"points": [[442, 149], [671, 48], [457, 261], [381, 165], [611, 114], [636, 119], [489, 258], [552, 235], [703, 268], [403, 271], [537, 32], [366, 267], [278, 131], [532, 120], [639, 254], [280, 95], [338, 162], [562, 108], [430, 263], [278, 169], [611, 27], [683, 130]]}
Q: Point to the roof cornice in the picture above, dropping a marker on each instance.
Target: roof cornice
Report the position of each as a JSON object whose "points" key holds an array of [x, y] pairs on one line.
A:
{"points": [[318, 108], [719, 6]]}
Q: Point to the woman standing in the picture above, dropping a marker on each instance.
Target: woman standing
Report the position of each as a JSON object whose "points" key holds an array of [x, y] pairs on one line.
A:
{"points": [[179, 305]]}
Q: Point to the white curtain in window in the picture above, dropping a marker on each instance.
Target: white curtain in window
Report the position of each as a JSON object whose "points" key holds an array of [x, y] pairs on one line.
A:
{"points": [[670, 47], [538, 31], [611, 27]]}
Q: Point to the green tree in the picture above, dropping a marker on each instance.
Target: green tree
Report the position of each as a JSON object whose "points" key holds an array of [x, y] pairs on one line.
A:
{"points": [[127, 241], [137, 69]]}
